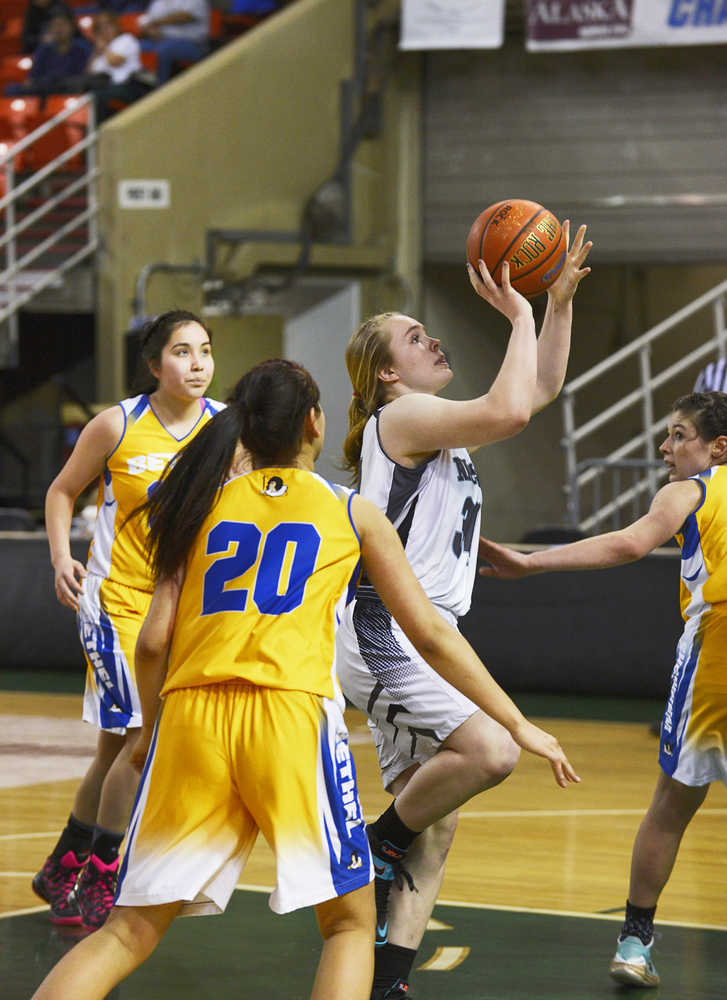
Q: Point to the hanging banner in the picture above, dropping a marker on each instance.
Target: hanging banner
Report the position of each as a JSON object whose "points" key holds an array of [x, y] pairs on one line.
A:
{"points": [[452, 24], [603, 24]]}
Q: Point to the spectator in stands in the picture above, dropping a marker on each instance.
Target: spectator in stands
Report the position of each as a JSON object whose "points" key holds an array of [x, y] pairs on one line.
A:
{"points": [[114, 69], [256, 8], [123, 6], [61, 56], [713, 377], [37, 17], [178, 31]]}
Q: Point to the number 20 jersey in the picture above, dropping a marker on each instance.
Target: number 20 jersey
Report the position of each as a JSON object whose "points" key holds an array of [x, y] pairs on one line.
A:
{"points": [[436, 509], [267, 579]]}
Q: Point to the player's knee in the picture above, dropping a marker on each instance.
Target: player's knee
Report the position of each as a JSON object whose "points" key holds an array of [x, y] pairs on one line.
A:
{"points": [[509, 756], [136, 937], [353, 912], [497, 759]]}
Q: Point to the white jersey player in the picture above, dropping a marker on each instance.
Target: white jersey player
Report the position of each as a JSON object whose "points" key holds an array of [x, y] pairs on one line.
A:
{"points": [[408, 451]]}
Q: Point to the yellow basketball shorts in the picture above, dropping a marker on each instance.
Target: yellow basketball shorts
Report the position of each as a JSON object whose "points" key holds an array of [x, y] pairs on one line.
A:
{"points": [[693, 744], [110, 617], [226, 761]]}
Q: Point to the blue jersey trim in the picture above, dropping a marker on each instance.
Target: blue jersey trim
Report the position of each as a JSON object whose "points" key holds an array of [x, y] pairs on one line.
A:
{"points": [[123, 431], [134, 818], [671, 740], [351, 867], [113, 690], [140, 407], [352, 494], [213, 406], [690, 536]]}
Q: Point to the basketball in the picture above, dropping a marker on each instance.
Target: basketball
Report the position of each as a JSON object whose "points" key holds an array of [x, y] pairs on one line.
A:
{"points": [[527, 235]]}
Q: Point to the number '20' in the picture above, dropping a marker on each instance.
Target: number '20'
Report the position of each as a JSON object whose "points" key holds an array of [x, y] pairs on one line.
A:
{"points": [[244, 538]]}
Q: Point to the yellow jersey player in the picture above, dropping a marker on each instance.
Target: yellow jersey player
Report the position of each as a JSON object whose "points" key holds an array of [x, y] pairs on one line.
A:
{"points": [[253, 574], [127, 448], [692, 507]]}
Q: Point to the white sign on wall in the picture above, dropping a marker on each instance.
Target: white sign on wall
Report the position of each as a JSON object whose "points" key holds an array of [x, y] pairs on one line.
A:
{"points": [[452, 24], [600, 24], [144, 194]]}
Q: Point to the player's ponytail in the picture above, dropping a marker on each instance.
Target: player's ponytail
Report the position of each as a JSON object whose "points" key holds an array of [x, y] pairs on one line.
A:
{"points": [[368, 351]]}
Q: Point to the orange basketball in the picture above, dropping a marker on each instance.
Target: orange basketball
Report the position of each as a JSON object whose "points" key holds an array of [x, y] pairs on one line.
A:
{"points": [[527, 235]]}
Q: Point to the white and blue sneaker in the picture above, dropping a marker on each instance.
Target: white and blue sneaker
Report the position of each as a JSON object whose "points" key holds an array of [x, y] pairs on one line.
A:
{"points": [[632, 963]]}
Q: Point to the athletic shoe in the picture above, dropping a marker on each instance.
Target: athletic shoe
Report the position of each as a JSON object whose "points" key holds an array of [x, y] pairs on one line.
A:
{"points": [[632, 963], [94, 892], [399, 991], [54, 883], [388, 868]]}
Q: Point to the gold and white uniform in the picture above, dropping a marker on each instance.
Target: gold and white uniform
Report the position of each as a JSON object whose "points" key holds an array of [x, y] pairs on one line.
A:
{"points": [[693, 745], [118, 587], [251, 735]]}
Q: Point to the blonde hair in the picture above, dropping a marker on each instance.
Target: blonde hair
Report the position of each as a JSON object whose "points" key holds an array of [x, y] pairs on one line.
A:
{"points": [[368, 351]]}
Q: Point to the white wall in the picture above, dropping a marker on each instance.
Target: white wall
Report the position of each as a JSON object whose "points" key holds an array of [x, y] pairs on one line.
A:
{"points": [[317, 339]]}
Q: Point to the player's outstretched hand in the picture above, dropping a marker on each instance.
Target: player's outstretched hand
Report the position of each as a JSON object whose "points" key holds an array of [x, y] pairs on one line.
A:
{"points": [[505, 564], [537, 741], [69, 577], [503, 297], [564, 287]]}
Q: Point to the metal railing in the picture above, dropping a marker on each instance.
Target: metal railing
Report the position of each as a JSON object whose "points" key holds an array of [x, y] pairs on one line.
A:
{"points": [[582, 473], [18, 283], [616, 486]]}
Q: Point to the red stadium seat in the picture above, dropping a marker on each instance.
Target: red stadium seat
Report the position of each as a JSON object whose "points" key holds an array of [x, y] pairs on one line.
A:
{"points": [[21, 115], [149, 60], [18, 117], [11, 31], [13, 8], [64, 135], [14, 69], [129, 23]]}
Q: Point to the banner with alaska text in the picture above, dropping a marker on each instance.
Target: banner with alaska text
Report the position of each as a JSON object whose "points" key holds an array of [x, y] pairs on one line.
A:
{"points": [[452, 24], [600, 24]]}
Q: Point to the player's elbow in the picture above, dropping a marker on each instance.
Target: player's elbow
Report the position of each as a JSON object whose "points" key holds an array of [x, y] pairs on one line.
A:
{"points": [[429, 638], [628, 548], [514, 421], [546, 394], [520, 419], [150, 645]]}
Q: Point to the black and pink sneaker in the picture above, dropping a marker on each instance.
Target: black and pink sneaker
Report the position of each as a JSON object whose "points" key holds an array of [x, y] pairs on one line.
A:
{"points": [[94, 892], [55, 882]]}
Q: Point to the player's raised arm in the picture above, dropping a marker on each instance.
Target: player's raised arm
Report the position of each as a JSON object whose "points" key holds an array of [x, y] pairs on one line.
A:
{"points": [[444, 647], [417, 422], [555, 334]]}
